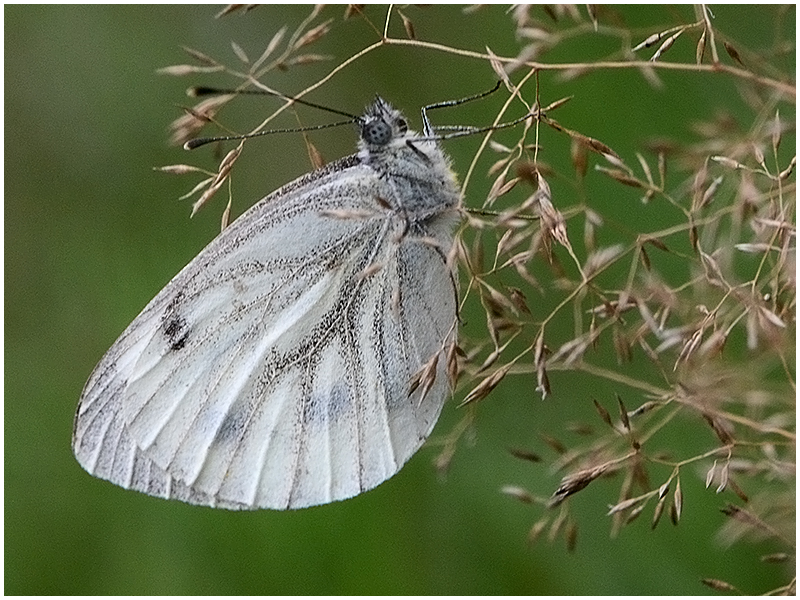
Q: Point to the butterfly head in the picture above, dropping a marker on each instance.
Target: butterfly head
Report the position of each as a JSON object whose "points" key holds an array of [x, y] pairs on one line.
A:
{"points": [[381, 124]]}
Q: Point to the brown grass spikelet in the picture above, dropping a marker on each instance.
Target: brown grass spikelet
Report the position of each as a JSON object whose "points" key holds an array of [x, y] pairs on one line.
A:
{"points": [[621, 176], [408, 25], [189, 125], [720, 429], [480, 391], [525, 455], [733, 52], [749, 519], [674, 517], [634, 513], [180, 169], [700, 50], [232, 8], [575, 482], [425, 377], [666, 45], [553, 222], [580, 158], [273, 44], [601, 258], [604, 414], [201, 57], [352, 10], [517, 297], [659, 510], [625, 505], [312, 35], [677, 500], [777, 557], [536, 530], [182, 70], [517, 493], [719, 585], [571, 536], [554, 443], [557, 526], [220, 178], [452, 363], [623, 413]]}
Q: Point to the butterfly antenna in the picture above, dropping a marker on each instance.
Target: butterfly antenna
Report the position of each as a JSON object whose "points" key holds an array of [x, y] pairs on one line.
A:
{"points": [[197, 142], [426, 124], [198, 91]]}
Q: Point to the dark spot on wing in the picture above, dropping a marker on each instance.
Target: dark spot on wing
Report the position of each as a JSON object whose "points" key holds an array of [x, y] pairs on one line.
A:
{"points": [[176, 331], [327, 407], [232, 426], [173, 325]]}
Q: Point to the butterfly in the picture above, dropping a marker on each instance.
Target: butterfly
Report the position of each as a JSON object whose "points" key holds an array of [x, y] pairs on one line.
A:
{"points": [[300, 358]]}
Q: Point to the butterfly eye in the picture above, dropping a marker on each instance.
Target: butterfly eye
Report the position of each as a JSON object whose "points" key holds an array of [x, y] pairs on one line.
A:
{"points": [[376, 132]]}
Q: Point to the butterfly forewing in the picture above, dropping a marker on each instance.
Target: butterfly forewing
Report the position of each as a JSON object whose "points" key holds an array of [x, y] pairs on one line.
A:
{"points": [[275, 369]]}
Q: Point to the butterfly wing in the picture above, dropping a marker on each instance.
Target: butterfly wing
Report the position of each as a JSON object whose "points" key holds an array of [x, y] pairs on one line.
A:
{"points": [[274, 370]]}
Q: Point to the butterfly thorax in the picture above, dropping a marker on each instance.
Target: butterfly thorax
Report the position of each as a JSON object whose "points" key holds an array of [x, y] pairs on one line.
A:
{"points": [[413, 166]]}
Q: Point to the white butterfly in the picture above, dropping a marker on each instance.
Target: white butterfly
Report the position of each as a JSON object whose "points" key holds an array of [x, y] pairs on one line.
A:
{"points": [[281, 367]]}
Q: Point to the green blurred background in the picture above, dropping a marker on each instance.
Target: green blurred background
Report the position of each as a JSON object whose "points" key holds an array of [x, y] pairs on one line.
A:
{"points": [[92, 233]]}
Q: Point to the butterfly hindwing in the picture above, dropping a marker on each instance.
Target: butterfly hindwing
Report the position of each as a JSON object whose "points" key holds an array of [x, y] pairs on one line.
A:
{"points": [[274, 370]]}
